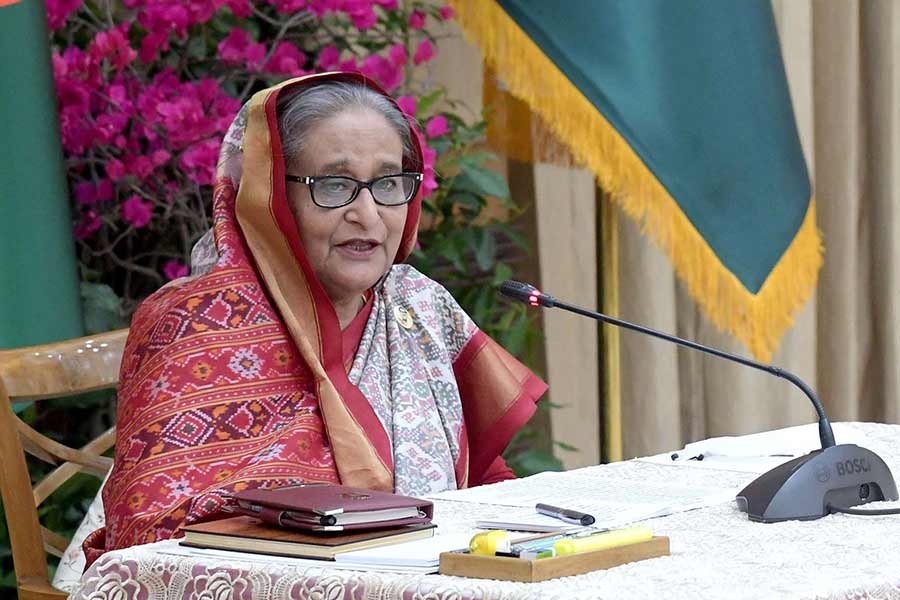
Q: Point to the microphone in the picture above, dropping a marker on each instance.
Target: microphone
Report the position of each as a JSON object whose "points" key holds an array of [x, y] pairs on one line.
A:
{"points": [[807, 487]]}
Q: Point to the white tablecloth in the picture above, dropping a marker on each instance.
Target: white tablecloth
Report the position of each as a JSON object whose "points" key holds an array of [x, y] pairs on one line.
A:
{"points": [[715, 553]]}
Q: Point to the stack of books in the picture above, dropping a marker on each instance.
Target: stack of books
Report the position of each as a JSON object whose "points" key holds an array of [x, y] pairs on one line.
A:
{"points": [[315, 521], [248, 534]]}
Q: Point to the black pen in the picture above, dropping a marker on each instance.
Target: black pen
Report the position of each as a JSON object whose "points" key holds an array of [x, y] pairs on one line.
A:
{"points": [[565, 514]]}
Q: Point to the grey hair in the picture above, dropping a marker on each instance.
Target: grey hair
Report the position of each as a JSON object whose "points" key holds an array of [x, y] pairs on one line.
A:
{"points": [[301, 109]]}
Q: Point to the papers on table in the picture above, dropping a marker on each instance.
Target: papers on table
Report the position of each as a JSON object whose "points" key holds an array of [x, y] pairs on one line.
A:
{"points": [[610, 501], [519, 520], [422, 554], [419, 556], [755, 453]]}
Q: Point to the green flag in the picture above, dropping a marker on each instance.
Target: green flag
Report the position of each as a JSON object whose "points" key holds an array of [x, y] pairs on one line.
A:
{"points": [[681, 110], [39, 300]]}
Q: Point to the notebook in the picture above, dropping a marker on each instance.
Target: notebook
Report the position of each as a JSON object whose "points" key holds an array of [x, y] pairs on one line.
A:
{"points": [[248, 534], [326, 507]]}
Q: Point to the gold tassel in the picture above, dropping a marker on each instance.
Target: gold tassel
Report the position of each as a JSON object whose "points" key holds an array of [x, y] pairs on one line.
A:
{"points": [[758, 320]]}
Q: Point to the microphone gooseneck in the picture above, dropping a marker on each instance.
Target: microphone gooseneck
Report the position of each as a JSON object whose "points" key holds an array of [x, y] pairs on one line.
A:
{"points": [[529, 294], [831, 479]]}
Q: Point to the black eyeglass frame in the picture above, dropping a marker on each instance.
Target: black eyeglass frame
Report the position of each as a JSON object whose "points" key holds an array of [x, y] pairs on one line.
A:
{"points": [[310, 181]]}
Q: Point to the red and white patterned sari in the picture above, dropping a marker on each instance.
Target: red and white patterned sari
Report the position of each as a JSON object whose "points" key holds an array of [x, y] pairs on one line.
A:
{"points": [[240, 378]]}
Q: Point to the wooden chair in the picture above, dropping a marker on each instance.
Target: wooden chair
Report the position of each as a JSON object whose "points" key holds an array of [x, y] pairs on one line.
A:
{"points": [[37, 373]]}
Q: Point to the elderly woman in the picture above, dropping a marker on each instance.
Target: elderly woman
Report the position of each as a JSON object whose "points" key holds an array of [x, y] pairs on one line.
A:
{"points": [[308, 352]]}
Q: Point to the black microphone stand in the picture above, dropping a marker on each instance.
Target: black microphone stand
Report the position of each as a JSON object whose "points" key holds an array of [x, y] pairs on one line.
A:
{"points": [[805, 488]]}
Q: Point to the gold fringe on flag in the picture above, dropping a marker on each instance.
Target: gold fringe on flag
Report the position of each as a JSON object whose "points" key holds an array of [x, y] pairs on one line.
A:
{"points": [[758, 320]]}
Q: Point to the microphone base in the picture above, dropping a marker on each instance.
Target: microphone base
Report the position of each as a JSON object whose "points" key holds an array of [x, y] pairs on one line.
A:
{"points": [[802, 489]]}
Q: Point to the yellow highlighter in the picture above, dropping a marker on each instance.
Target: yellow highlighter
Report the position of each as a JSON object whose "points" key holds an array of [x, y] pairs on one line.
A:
{"points": [[601, 541], [488, 543]]}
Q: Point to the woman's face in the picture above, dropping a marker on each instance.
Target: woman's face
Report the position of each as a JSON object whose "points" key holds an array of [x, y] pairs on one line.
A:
{"points": [[351, 247]]}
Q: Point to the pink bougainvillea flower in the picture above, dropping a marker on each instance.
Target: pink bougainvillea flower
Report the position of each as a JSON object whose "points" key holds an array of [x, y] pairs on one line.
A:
{"points": [[321, 7], [407, 104], [286, 60], [108, 126], [199, 161], [58, 12], [429, 183], [152, 44], [162, 18], [175, 269], [112, 46], [118, 94], [287, 7], [424, 52], [85, 192], [240, 8], [381, 70], [115, 169], [140, 166], [446, 12], [160, 157], [436, 126], [387, 5], [417, 19], [136, 211], [88, 225], [77, 133], [105, 190], [329, 57], [238, 47], [255, 55], [397, 55], [361, 13], [348, 65]]}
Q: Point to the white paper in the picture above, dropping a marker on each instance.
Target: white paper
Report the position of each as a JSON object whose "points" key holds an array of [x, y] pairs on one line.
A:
{"points": [[418, 553], [755, 453], [756, 465], [612, 502], [231, 556], [526, 521], [593, 494]]}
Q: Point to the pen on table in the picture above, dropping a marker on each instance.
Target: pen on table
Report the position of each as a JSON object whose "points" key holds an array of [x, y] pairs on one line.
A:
{"points": [[565, 514]]}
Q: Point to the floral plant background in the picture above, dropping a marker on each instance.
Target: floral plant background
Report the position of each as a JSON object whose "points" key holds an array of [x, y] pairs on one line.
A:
{"points": [[146, 90]]}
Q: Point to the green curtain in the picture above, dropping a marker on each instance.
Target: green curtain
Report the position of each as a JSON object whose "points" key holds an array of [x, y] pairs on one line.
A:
{"points": [[39, 299]]}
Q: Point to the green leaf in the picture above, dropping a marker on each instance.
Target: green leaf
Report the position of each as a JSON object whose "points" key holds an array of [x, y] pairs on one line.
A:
{"points": [[102, 308], [467, 199], [480, 180], [514, 236], [478, 158], [485, 250], [502, 272], [426, 102], [533, 461], [513, 338], [8, 580], [196, 47], [565, 446], [450, 250]]}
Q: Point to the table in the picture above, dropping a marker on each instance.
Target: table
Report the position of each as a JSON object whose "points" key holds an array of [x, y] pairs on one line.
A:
{"points": [[715, 553]]}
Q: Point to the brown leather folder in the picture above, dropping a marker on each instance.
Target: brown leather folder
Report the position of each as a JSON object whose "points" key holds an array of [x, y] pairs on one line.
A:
{"points": [[317, 507]]}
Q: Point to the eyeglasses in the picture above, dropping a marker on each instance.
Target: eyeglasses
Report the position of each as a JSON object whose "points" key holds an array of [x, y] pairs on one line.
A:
{"points": [[335, 191]]}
